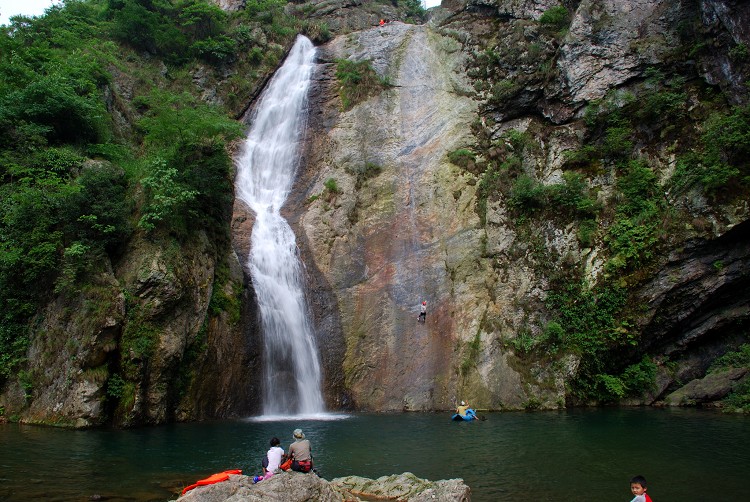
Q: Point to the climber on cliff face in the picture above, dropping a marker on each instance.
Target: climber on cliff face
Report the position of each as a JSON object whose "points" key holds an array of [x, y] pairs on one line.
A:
{"points": [[422, 313], [382, 22]]}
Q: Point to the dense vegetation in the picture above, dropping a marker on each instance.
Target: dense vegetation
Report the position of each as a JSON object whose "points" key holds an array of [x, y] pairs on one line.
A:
{"points": [[107, 130]]}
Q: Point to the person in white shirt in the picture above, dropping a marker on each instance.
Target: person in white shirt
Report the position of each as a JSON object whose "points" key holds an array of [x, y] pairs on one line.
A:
{"points": [[271, 461]]}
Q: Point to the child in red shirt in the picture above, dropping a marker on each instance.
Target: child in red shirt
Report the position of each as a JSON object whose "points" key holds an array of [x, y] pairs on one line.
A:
{"points": [[638, 488]]}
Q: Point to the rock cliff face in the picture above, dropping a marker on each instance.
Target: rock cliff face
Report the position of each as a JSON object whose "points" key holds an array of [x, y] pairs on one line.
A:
{"points": [[382, 243], [152, 325], [414, 194], [386, 243]]}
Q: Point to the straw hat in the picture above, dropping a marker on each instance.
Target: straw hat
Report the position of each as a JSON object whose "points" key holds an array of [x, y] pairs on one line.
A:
{"points": [[298, 434]]}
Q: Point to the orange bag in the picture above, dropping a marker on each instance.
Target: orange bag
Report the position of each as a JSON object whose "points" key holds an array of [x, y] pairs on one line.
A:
{"points": [[214, 478], [286, 465]]}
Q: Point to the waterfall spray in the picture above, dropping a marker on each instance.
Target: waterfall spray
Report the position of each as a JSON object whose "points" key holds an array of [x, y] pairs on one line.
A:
{"points": [[265, 173]]}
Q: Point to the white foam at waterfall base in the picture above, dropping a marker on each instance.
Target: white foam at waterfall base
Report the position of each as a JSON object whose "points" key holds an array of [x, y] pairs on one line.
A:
{"points": [[265, 172], [312, 417]]}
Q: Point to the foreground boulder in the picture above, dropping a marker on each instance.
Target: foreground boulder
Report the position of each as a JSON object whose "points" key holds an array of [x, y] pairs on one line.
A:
{"points": [[297, 487], [404, 486]]}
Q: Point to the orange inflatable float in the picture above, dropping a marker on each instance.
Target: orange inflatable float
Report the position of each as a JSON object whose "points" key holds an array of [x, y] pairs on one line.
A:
{"points": [[213, 478]]}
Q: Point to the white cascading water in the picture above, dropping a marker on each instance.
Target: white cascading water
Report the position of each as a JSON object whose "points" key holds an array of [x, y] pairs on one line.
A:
{"points": [[265, 173]]}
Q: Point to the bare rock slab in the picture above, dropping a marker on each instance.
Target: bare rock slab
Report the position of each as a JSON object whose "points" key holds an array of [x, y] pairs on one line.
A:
{"points": [[298, 487], [405, 486]]}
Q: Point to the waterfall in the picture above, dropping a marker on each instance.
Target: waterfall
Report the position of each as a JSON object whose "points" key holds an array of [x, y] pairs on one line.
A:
{"points": [[265, 172]]}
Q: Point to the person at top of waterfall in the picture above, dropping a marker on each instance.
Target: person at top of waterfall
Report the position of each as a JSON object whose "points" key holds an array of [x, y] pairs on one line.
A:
{"points": [[638, 489], [271, 460], [382, 22], [422, 312], [300, 452]]}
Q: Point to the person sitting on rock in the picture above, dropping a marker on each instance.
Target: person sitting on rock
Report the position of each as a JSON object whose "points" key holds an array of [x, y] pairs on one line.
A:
{"points": [[300, 452], [271, 461]]}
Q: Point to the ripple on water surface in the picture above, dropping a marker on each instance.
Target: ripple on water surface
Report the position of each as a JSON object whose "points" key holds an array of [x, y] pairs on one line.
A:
{"points": [[544, 456]]}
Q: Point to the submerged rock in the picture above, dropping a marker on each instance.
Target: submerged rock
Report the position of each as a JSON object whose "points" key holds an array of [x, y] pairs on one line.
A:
{"points": [[293, 487]]}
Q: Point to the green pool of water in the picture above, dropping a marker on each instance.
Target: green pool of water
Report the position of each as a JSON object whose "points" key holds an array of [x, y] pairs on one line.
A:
{"points": [[544, 456]]}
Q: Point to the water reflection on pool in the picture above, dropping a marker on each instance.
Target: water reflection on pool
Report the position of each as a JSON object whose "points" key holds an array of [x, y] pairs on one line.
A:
{"points": [[541, 456]]}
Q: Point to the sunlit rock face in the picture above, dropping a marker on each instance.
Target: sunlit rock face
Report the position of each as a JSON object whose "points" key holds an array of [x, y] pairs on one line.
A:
{"points": [[382, 244], [388, 242], [611, 41], [386, 221]]}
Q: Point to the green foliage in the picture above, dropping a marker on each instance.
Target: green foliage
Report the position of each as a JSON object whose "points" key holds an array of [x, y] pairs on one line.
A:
{"points": [[639, 378], [527, 194], [414, 13], [27, 383], [318, 32], [706, 171], [55, 108], [331, 186], [189, 183], [264, 10], [662, 100], [357, 81], [739, 398], [177, 120], [553, 337], [138, 340], [488, 185], [100, 218], [739, 53], [572, 196], [149, 26], [587, 157], [503, 91], [221, 301], [65, 217], [524, 343], [167, 197], [555, 18], [617, 142], [471, 355], [610, 388], [633, 236], [639, 188], [589, 317], [631, 243], [498, 176], [462, 157], [587, 232], [220, 49], [593, 323], [115, 386], [13, 344], [201, 20], [734, 359]]}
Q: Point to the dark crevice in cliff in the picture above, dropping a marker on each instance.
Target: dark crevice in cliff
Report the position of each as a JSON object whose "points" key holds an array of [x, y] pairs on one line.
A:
{"points": [[705, 298]]}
